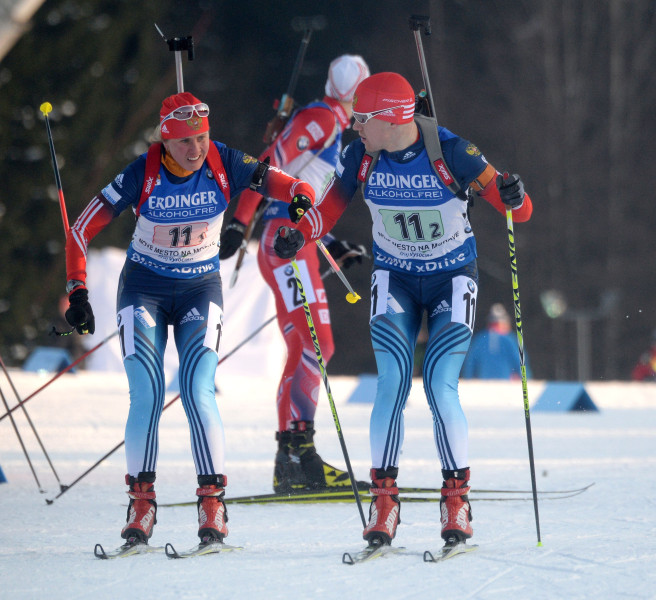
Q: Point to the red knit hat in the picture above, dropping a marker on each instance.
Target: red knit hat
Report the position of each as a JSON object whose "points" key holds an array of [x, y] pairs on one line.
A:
{"points": [[386, 91], [174, 128]]}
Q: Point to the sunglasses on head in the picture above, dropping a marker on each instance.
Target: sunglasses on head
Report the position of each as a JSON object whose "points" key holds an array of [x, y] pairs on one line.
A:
{"points": [[183, 113], [362, 118]]}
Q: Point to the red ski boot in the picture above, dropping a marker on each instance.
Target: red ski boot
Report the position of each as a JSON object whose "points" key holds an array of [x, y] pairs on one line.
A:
{"points": [[455, 509], [385, 508], [212, 513], [142, 510]]}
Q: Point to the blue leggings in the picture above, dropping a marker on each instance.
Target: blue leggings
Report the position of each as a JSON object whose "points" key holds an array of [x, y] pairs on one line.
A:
{"points": [[147, 304], [398, 302]]}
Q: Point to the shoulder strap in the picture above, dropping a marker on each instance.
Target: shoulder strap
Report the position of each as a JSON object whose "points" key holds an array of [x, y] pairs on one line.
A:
{"points": [[428, 127], [154, 159], [218, 170], [367, 165]]}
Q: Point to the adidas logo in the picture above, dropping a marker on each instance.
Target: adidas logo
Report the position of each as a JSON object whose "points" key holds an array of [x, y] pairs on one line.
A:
{"points": [[192, 315], [441, 308], [408, 155]]}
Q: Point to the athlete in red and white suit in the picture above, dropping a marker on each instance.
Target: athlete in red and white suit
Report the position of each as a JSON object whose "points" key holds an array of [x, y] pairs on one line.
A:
{"points": [[308, 147]]}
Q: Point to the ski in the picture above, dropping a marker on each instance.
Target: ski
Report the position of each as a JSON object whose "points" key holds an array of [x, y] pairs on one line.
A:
{"points": [[371, 552], [128, 549], [200, 550], [346, 495], [449, 550]]}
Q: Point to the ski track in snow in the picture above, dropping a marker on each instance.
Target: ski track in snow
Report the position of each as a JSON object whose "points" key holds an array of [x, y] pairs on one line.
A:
{"points": [[600, 544]]}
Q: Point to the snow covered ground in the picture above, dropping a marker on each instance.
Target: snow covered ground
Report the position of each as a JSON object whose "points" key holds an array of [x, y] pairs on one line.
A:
{"points": [[600, 544]]}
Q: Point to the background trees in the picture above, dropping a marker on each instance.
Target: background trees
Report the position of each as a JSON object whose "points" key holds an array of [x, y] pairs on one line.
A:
{"points": [[559, 91]]}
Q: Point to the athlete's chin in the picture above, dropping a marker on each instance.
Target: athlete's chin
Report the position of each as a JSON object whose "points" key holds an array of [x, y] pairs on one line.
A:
{"points": [[194, 165]]}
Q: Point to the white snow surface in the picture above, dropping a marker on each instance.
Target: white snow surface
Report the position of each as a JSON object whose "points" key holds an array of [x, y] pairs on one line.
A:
{"points": [[600, 544]]}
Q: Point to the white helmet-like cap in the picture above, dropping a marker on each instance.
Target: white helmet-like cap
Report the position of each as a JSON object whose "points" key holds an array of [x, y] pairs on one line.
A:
{"points": [[344, 75]]}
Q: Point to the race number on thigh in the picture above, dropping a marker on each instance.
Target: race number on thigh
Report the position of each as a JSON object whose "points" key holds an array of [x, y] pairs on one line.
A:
{"points": [[380, 297], [125, 321], [288, 286], [463, 301], [214, 325]]}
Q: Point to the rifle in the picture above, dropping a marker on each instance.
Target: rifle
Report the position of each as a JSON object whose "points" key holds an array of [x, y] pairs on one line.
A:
{"points": [[284, 108], [178, 45]]}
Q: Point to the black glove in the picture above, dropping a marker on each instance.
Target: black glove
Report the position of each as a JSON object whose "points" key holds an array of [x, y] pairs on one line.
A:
{"points": [[345, 253], [287, 242], [79, 313], [299, 205], [231, 239], [511, 190]]}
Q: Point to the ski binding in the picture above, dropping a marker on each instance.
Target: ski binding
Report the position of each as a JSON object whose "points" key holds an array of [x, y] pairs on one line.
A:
{"points": [[209, 547], [372, 551], [451, 548], [131, 547]]}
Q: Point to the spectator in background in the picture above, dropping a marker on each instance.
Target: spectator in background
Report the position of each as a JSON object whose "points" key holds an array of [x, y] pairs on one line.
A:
{"points": [[645, 369], [493, 353]]}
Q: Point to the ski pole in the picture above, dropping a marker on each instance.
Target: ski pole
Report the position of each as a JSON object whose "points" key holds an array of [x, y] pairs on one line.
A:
{"points": [[264, 204], [20, 440], [27, 416], [522, 361], [94, 465], [352, 297], [324, 375], [169, 403], [45, 108], [248, 234], [224, 358], [64, 370]]}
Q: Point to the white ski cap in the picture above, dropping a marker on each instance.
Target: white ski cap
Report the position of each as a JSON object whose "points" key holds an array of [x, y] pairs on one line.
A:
{"points": [[344, 75]]}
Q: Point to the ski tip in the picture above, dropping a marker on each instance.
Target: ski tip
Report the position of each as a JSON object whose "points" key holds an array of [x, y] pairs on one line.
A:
{"points": [[428, 556], [347, 559], [99, 552], [170, 551]]}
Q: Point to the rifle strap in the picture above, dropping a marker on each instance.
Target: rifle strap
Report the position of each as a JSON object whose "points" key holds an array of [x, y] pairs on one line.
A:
{"points": [[154, 159], [428, 128]]}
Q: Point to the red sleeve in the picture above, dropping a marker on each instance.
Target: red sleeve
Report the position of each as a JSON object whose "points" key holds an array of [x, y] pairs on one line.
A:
{"points": [[309, 129], [94, 218], [490, 193], [321, 218], [281, 186]]}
